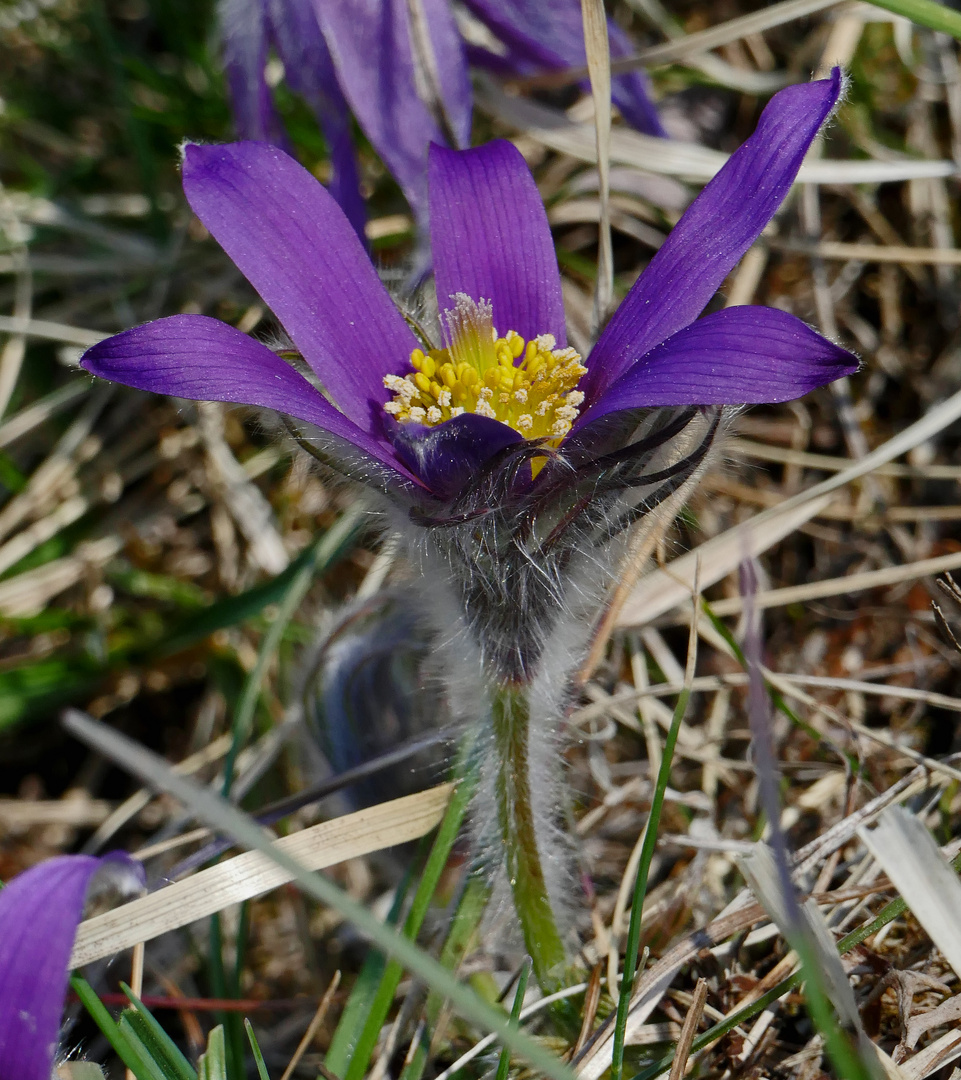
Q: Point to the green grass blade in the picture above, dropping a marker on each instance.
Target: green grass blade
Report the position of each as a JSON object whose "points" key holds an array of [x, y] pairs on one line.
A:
{"points": [[255, 1047], [124, 1047], [887, 914], [925, 13], [322, 553], [437, 860], [351, 1021], [463, 928], [640, 885], [229, 1022], [138, 1037], [160, 1043], [223, 817], [505, 1059], [213, 1062]]}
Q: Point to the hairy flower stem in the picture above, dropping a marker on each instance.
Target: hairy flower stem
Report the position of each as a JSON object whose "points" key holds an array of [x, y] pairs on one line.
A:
{"points": [[510, 714]]}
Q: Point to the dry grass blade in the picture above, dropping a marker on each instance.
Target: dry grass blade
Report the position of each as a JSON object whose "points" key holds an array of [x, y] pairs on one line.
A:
{"points": [[933, 1057], [531, 1010], [815, 590], [313, 1027], [254, 873], [661, 590], [554, 129], [599, 66], [893, 253], [761, 873], [52, 331], [931, 889], [688, 1031], [12, 354], [692, 44]]}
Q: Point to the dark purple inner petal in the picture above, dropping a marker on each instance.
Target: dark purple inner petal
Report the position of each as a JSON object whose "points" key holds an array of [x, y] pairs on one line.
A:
{"points": [[192, 356], [715, 231], [491, 240], [294, 245], [449, 456], [738, 356]]}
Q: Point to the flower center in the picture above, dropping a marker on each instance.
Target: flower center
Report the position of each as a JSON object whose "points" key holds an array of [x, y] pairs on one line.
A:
{"points": [[528, 385]]}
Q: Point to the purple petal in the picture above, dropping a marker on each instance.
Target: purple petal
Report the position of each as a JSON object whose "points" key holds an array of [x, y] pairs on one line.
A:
{"points": [[738, 356], [192, 356], [294, 245], [715, 231], [450, 65], [629, 91], [449, 456], [550, 34], [39, 913], [372, 45], [243, 27], [309, 70], [491, 240]]}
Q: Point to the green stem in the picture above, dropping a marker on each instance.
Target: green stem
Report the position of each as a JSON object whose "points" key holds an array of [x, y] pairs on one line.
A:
{"points": [[510, 715]]}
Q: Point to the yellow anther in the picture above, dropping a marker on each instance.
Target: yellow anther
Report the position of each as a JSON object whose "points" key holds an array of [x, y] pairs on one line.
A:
{"points": [[493, 376]]}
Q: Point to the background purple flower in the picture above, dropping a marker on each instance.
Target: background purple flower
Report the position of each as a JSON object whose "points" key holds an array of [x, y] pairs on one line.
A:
{"points": [[404, 78], [491, 241], [39, 914]]}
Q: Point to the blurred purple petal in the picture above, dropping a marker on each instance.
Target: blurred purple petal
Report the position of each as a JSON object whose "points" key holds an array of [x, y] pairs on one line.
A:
{"points": [[309, 69], [715, 231], [491, 240], [243, 26], [294, 245], [629, 91], [549, 34], [738, 356], [450, 65], [192, 356], [372, 47], [449, 456], [39, 913]]}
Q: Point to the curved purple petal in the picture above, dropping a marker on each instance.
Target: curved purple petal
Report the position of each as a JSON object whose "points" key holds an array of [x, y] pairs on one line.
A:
{"points": [[738, 356], [309, 70], [372, 43], [491, 240], [715, 231], [192, 356], [294, 245], [39, 913], [550, 34], [243, 26], [448, 456]]}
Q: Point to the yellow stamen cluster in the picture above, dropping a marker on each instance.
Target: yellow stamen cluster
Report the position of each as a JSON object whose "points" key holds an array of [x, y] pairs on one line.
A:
{"points": [[528, 385]]}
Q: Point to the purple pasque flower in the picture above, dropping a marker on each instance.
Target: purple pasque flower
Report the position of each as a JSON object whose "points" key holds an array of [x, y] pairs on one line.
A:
{"points": [[401, 68], [511, 465], [494, 267], [39, 913]]}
